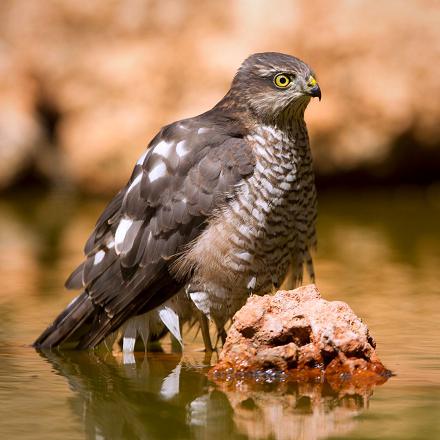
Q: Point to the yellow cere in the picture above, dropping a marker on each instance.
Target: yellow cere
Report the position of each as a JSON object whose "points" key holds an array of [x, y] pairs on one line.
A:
{"points": [[311, 82]]}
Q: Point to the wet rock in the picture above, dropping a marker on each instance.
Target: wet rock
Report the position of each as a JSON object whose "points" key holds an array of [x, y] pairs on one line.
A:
{"points": [[292, 411], [300, 335]]}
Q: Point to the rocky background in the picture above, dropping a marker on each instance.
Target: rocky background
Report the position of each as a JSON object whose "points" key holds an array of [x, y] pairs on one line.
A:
{"points": [[85, 84]]}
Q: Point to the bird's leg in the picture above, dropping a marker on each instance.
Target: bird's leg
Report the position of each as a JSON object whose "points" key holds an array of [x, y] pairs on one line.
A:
{"points": [[222, 335], [204, 326], [200, 298], [176, 346]]}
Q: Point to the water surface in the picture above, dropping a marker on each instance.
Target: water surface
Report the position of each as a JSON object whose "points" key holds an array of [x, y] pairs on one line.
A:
{"points": [[378, 252]]}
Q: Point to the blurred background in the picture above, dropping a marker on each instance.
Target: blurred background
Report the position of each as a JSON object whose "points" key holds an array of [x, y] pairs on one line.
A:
{"points": [[84, 86]]}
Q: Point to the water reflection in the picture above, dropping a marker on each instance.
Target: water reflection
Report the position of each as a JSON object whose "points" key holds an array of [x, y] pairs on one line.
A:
{"points": [[164, 396], [379, 253]]}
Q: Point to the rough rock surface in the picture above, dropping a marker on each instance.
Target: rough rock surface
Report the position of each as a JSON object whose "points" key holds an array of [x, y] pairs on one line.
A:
{"points": [[299, 333]]}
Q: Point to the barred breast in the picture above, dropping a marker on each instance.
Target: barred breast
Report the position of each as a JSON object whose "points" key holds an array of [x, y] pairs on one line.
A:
{"points": [[250, 244]]}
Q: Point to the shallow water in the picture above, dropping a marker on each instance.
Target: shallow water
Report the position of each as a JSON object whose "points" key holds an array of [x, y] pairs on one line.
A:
{"points": [[378, 252]]}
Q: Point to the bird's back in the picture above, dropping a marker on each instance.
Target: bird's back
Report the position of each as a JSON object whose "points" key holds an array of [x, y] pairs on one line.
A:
{"points": [[189, 170]]}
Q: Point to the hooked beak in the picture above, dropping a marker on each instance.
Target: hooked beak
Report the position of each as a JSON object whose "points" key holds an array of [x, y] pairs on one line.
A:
{"points": [[313, 88]]}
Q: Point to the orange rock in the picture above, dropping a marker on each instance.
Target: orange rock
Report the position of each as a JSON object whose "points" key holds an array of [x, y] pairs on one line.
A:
{"points": [[298, 335]]}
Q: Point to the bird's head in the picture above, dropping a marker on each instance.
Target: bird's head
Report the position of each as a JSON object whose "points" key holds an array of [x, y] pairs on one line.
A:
{"points": [[275, 86]]}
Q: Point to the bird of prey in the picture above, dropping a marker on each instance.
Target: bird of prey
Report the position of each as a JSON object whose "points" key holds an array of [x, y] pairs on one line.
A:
{"points": [[219, 207]]}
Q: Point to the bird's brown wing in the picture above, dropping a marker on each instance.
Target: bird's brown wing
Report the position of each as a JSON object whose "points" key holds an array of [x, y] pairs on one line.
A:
{"points": [[189, 170]]}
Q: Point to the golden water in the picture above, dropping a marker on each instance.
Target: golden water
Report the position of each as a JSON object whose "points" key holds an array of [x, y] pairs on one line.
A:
{"points": [[378, 252]]}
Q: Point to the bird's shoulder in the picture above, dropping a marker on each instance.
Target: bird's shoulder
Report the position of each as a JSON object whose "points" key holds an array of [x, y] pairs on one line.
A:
{"points": [[189, 169]]}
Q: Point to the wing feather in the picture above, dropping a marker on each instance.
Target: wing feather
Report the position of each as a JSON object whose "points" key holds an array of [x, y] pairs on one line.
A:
{"points": [[186, 174]]}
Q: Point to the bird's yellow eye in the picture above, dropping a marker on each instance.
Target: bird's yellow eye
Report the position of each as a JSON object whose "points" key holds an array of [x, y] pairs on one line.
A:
{"points": [[282, 81]]}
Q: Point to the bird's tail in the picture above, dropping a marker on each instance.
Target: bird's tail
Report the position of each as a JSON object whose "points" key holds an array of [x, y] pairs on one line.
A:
{"points": [[69, 325]]}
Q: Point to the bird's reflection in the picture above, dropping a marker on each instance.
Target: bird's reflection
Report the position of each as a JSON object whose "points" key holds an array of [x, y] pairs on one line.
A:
{"points": [[169, 396]]}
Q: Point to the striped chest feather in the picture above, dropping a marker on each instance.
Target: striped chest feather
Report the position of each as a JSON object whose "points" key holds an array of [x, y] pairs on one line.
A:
{"points": [[251, 242]]}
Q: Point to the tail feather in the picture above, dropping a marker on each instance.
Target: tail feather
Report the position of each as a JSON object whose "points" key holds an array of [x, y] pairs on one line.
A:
{"points": [[68, 323], [87, 324], [158, 291]]}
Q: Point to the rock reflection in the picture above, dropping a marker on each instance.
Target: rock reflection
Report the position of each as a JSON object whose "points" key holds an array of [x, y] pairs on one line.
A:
{"points": [[295, 411], [167, 396]]}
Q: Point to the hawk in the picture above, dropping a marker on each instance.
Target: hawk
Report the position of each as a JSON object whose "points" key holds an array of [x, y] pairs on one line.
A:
{"points": [[219, 207]]}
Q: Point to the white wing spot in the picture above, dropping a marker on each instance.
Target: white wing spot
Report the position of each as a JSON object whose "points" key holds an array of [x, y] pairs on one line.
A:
{"points": [[121, 232], [202, 130], [135, 182], [99, 256], [163, 148], [181, 150], [110, 244], [157, 172]]}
